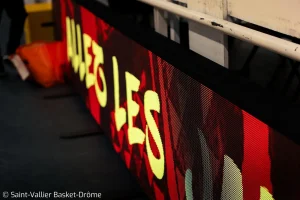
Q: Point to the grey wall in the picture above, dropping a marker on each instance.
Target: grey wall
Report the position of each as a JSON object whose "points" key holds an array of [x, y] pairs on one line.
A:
{"points": [[105, 2], [36, 1]]}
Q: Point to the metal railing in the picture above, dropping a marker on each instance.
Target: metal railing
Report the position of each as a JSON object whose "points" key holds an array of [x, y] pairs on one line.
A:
{"points": [[283, 47]]}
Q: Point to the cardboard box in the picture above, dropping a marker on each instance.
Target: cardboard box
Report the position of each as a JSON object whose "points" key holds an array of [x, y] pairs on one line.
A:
{"points": [[39, 23]]}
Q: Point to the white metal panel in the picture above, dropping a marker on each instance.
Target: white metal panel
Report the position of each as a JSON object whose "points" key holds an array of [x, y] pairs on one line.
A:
{"points": [[174, 27], [160, 21], [208, 42], [182, 1], [204, 40], [279, 15]]}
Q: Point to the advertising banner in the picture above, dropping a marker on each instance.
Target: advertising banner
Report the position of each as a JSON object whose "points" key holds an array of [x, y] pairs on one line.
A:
{"points": [[179, 138]]}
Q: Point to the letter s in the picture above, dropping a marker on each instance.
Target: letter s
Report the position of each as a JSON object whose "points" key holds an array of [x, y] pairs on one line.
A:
{"points": [[151, 101]]}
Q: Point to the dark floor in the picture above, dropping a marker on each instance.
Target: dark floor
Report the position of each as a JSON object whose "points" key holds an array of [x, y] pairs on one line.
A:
{"points": [[34, 158]]}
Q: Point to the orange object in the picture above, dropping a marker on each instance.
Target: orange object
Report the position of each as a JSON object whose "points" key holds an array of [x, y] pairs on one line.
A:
{"points": [[44, 62], [56, 53]]}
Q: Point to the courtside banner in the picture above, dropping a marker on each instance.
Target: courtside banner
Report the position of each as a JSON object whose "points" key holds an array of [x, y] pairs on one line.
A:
{"points": [[180, 122]]}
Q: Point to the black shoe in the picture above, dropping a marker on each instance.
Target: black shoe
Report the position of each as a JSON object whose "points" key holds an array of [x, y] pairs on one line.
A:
{"points": [[7, 60], [5, 57]]}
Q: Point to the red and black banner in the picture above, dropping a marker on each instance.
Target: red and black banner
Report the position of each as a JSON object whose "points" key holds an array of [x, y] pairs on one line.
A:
{"points": [[179, 129]]}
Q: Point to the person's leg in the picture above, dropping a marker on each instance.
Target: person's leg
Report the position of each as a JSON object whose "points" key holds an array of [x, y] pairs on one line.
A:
{"points": [[16, 12], [2, 71]]}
